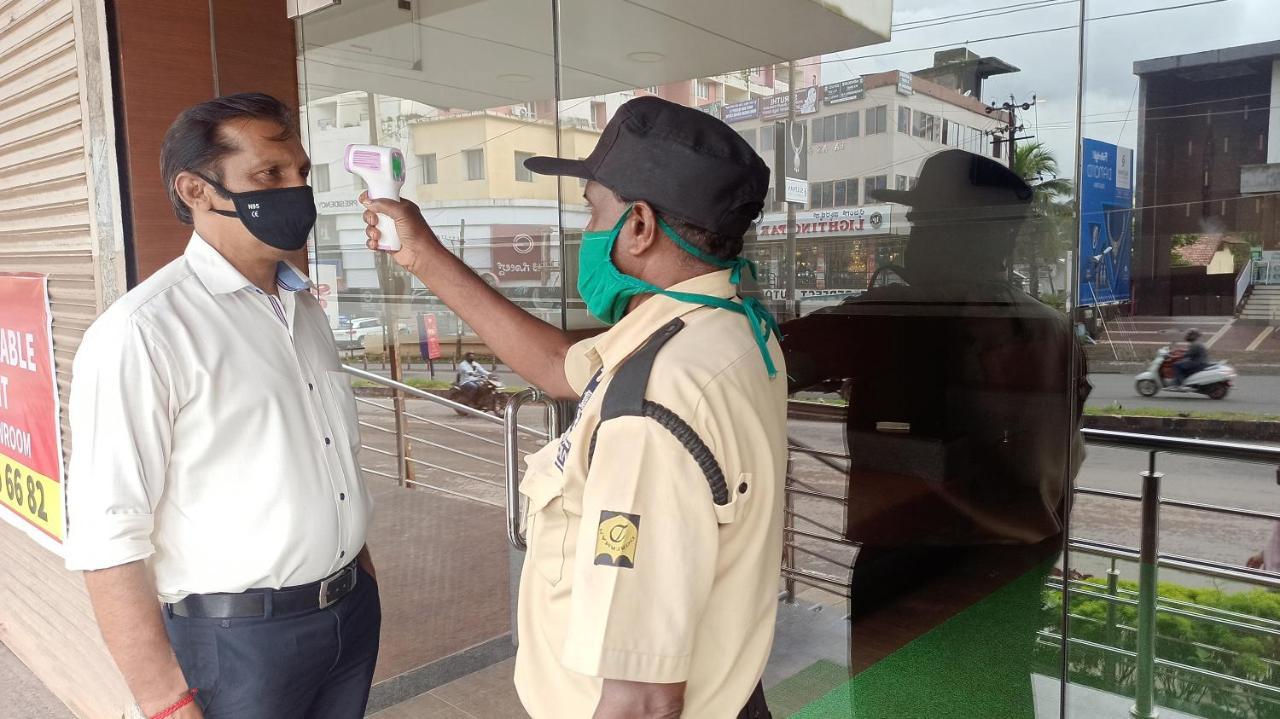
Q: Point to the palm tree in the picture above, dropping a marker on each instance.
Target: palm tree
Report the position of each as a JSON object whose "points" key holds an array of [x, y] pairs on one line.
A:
{"points": [[1036, 164]]}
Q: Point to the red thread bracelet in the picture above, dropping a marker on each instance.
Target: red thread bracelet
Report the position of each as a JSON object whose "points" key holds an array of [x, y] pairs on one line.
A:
{"points": [[173, 708]]}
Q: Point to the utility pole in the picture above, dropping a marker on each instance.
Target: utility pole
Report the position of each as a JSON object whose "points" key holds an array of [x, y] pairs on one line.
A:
{"points": [[1010, 129]]}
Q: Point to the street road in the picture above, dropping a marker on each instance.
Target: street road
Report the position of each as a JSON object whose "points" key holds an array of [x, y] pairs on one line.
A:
{"points": [[1254, 394]]}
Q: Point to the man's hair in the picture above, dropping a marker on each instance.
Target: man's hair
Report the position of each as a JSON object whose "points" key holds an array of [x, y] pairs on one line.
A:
{"points": [[194, 142], [721, 247]]}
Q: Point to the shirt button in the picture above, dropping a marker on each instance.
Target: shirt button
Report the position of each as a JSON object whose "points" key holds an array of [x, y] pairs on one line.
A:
{"points": [[342, 554], [342, 496], [328, 441], [311, 386]]}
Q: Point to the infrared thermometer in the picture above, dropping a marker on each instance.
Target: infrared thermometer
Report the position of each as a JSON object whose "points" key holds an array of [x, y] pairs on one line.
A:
{"points": [[382, 169]]}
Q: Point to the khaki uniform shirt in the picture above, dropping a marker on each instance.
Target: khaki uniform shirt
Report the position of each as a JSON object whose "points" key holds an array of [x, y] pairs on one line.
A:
{"points": [[633, 572]]}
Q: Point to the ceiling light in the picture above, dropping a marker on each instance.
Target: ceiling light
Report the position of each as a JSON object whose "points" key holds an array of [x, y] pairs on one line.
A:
{"points": [[645, 56]]}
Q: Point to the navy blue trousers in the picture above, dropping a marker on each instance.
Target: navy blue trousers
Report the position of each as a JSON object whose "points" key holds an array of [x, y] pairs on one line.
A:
{"points": [[313, 665]]}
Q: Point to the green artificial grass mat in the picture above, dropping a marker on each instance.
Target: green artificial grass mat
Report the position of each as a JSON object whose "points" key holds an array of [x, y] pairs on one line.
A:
{"points": [[976, 665]]}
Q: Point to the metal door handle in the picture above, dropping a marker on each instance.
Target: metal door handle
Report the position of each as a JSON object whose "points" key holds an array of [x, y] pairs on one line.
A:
{"points": [[511, 427]]}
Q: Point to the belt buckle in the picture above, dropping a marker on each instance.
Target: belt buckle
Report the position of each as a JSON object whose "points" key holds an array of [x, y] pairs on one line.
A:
{"points": [[338, 583]]}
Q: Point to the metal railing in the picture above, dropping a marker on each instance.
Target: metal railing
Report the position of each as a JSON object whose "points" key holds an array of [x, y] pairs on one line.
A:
{"points": [[1148, 556], [819, 542], [1243, 282], [477, 475]]}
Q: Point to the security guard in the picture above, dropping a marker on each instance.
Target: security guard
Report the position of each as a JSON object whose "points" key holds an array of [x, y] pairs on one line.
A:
{"points": [[655, 533]]}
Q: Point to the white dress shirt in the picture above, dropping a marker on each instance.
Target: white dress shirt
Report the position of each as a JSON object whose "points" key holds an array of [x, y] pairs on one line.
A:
{"points": [[214, 434]]}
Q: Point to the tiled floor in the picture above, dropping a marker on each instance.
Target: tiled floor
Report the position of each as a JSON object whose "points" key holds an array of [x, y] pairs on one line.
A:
{"points": [[486, 694]]}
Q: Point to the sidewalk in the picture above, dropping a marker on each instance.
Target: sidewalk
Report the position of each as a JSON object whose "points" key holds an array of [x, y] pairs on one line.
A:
{"points": [[22, 696]]}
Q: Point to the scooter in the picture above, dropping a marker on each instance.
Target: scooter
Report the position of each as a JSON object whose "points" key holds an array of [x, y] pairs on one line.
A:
{"points": [[1213, 381], [485, 395]]}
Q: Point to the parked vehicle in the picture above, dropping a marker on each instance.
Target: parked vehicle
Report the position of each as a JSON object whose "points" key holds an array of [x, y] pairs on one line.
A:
{"points": [[1213, 381]]}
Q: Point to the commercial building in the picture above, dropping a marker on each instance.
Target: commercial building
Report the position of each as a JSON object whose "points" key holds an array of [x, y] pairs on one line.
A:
{"points": [[1208, 165]]}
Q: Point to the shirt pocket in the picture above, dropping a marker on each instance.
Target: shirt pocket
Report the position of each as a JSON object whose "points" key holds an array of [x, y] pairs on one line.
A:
{"points": [[549, 521], [342, 410], [738, 490]]}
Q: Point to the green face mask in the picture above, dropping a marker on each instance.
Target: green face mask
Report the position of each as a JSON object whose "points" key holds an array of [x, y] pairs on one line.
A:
{"points": [[607, 291]]}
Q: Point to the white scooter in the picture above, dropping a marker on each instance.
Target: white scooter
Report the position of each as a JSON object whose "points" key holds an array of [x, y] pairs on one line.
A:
{"points": [[1213, 381]]}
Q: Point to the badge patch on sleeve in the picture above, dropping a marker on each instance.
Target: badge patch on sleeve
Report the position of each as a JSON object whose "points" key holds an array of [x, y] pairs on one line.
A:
{"points": [[616, 539]]}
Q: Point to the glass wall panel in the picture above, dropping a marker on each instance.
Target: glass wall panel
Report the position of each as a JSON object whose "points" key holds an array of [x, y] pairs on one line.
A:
{"points": [[1177, 225], [465, 100]]}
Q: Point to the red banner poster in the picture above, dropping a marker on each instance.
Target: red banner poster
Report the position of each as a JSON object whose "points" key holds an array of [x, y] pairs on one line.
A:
{"points": [[428, 337], [30, 432]]}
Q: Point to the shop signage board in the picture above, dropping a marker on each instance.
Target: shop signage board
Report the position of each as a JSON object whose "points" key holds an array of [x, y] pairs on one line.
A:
{"points": [[1106, 228], [776, 107], [31, 497], [740, 111], [846, 91], [840, 222]]}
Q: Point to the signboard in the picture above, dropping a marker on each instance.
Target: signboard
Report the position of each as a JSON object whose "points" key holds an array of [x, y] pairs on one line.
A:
{"points": [[1106, 224], [325, 288], [842, 222], [712, 109], [791, 161], [519, 252], [429, 336], [30, 431], [847, 91], [904, 83], [776, 107], [740, 111]]}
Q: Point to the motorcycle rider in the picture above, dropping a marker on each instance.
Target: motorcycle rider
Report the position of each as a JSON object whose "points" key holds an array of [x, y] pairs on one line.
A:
{"points": [[471, 376], [1195, 359]]}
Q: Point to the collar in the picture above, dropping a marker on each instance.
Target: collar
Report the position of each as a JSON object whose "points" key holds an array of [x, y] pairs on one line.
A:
{"points": [[636, 326], [220, 277]]}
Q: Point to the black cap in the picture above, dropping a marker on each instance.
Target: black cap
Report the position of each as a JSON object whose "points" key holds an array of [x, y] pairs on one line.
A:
{"points": [[682, 161], [955, 180]]}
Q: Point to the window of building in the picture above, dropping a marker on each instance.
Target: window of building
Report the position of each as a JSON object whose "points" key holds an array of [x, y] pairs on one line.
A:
{"points": [[522, 173], [997, 147], [475, 164], [320, 177], [833, 193], [766, 139], [871, 184], [428, 163], [750, 136], [900, 182], [835, 127], [877, 119], [925, 127], [652, 89], [704, 90], [904, 119]]}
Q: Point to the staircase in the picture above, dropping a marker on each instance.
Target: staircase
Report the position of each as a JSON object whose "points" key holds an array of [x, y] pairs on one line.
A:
{"points": [[1263, 304]]}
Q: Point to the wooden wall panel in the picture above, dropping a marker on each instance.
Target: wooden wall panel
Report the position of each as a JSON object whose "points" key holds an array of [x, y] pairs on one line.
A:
{"points": [[165, 66]]}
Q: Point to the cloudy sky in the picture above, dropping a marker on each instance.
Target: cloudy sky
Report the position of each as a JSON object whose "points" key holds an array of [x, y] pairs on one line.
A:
{"points": [[1049, 60]]}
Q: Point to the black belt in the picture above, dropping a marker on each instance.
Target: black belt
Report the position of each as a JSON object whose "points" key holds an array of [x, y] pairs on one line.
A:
{"points": [[273, 602]]}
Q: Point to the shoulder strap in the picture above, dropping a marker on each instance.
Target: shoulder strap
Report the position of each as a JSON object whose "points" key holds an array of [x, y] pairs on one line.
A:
{"points": [[624, 397]]}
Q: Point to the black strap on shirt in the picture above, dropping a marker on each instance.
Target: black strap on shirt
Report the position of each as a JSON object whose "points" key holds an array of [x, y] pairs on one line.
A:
{"points": [[624, 397]]}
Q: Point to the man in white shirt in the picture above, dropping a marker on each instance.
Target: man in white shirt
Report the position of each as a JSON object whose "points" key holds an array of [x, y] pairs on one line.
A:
{"points": [[470, 371], [214, 450]]}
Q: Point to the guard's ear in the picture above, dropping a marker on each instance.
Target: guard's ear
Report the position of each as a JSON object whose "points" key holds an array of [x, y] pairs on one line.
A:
{"points": [[642, 224]]}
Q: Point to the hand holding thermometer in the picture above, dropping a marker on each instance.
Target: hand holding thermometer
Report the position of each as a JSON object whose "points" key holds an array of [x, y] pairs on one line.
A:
{"points": [[382, 169]]}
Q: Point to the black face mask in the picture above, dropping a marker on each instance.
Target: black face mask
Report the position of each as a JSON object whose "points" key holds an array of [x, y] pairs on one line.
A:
{"points": [[281, 218]]}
